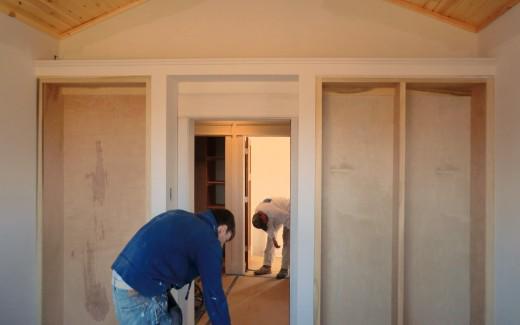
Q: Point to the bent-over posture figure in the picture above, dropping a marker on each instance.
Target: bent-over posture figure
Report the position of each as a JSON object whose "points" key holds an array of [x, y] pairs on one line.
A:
{"points": [[169, 252], [270, 215]]}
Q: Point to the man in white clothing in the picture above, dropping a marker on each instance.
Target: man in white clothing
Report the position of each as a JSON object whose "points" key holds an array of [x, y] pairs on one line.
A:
{"points": [[270, 215]]}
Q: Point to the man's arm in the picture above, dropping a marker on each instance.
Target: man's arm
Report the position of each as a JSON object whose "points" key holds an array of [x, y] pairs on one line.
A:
{"points": [[209, 262], [271, 235]]}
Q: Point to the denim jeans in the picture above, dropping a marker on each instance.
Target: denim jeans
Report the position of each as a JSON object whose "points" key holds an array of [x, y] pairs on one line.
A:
{"points": [[132, 308]]}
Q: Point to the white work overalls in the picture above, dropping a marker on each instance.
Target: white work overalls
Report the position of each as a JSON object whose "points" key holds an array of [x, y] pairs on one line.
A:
{"points": [[278, 211]]}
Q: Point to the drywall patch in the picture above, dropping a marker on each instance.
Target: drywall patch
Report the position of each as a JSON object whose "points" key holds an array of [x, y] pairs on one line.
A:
{"points": [[96, 301]]}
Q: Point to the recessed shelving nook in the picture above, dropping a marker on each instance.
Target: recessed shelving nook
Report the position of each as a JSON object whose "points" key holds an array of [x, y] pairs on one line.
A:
{"points": [[404, 201], [210, 172]]}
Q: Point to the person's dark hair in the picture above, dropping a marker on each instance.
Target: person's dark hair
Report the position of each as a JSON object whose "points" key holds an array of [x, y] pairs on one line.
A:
{"points": [[225, 217], [258, 222]]}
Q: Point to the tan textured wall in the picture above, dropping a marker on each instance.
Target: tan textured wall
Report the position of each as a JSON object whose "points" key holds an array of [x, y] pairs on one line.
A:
{"points": [[357, 211], [103, 195], [269, 28], [445, 221], [437, 233]]}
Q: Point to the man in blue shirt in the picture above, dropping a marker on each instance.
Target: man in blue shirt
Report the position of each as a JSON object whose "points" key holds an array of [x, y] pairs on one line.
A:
{"points": [[169, 252]]}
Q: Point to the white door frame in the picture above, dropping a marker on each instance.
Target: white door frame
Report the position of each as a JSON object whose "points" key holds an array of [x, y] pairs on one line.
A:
{"points": [[186, 174], [235, 132]]}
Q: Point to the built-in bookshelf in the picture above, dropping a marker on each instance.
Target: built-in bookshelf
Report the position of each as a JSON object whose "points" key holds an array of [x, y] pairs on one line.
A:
{"points": [[209, 172]]}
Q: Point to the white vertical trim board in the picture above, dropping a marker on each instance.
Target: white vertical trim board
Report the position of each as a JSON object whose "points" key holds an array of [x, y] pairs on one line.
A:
{"points": [[171, 145], [39, 205], [294, 240], [158, 186], [302, 270], [490, 202], [185, 199], [186, 133]]}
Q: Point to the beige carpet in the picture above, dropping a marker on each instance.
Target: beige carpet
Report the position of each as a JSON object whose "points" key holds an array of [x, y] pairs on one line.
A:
{"points": [[256, 300]]}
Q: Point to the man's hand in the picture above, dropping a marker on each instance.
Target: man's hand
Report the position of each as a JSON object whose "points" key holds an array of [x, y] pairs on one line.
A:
{"points": [[275, 243]]}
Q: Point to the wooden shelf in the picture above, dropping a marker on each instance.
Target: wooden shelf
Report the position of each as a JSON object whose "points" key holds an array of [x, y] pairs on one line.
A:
{"points": [[215, 158], [216, 206], [209, 172]]}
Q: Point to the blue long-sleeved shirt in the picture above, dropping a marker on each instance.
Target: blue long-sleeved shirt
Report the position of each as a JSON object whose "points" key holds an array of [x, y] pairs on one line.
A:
{"points": [[169, 252]]}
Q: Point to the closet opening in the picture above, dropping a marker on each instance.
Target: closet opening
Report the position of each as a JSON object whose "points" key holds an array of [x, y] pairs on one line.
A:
{"points": [[406, 203], [94, 180], [238, 165]]}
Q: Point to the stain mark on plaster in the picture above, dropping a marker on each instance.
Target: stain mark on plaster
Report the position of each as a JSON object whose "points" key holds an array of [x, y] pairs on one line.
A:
{"points": [[96, 300], [99, 227], [99, 177], [95, 221], [102, 231]]}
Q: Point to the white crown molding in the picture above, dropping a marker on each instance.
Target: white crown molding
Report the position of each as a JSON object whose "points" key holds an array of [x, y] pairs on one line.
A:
{"points": [[355, 67], [225, 61]]}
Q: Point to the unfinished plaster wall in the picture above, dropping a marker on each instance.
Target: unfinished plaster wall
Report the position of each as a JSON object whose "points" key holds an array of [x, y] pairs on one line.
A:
{"points": [[445, 205], [104, 194], [437, 233], [357, 201]]}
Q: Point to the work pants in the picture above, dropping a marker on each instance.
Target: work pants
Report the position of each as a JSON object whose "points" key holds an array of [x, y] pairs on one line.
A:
{"points": [[269, 250], [132, 308]]}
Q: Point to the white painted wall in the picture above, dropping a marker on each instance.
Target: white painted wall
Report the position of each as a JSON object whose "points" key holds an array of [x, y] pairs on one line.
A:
{"points": [[19, 45], [224, 99], [270, 177], [502, 40], [269, 28]]}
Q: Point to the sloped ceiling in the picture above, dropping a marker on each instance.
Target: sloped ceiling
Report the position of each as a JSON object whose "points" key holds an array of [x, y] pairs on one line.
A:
{"points": [[62, 18], [471, 15]]}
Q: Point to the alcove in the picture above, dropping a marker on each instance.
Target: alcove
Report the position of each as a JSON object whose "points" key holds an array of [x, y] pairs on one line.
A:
{"points": [[404, 192], [94, 169]]}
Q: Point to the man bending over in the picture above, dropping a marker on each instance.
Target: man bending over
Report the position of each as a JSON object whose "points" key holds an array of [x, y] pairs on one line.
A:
{"points": [[169, 252], [270, 215]]}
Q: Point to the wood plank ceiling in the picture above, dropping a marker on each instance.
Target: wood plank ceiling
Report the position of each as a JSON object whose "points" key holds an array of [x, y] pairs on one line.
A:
{"points": [[62, 18], [471, 15]]}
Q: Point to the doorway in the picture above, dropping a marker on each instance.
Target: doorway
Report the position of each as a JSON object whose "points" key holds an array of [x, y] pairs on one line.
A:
{"points": [[237, 165], [269, 176]]}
